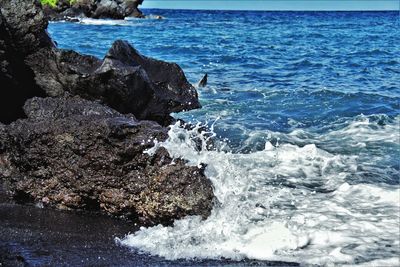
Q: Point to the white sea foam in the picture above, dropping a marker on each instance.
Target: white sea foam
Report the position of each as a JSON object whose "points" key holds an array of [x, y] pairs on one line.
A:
{"points": [[116, 22], [357, 132], [287, 202]]}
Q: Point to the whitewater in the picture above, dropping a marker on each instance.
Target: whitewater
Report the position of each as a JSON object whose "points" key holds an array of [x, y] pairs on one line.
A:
{"points": [[286, 202]]}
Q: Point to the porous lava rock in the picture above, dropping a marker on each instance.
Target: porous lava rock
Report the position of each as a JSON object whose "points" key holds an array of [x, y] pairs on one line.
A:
{"points": [[71, 153]]}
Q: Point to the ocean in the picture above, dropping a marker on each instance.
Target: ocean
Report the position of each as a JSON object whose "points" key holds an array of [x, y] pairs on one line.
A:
{"points": [[304, 108]]}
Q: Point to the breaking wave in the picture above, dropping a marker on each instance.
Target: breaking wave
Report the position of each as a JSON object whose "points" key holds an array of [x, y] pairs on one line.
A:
{"points": [[301, 198]]}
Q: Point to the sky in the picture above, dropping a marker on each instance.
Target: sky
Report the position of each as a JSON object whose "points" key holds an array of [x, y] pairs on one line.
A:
{"points": [[275, 4]]}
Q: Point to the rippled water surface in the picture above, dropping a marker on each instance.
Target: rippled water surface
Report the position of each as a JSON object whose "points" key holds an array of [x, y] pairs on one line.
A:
{"points": [[306, 105]]}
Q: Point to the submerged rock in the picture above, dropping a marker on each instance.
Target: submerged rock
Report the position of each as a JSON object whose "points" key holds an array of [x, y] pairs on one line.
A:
{"points": [[72, 153], [203, 81]]}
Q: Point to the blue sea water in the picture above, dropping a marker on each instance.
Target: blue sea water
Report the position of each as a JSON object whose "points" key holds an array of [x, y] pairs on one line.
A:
{"points": [[306, 106]]}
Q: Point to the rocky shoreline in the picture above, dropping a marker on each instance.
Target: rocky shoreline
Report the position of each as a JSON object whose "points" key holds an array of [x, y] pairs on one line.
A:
{"points": [[74, 128], [96, 9], [64, 238]]}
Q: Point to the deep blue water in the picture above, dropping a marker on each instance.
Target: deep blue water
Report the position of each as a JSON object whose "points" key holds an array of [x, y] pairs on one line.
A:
{"points": [[330, 79]]}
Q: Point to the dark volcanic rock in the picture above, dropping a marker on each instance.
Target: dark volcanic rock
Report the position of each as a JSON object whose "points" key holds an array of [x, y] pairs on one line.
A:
{"points": [[75, 154], [203, 81], [26, 25], [22, 32], [16, 41], [107, 9], [173, 93], [98, 9], [124, 80]]}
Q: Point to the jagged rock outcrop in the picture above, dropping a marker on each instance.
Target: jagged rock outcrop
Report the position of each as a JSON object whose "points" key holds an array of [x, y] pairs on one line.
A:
{"points": [[97, 9], [76, 154], [124, 79], [79, 140]]}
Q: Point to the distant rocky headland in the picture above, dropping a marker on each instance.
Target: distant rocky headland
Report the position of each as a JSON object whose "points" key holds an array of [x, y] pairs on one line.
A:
{"points": [[97, 9], [74, 128]]}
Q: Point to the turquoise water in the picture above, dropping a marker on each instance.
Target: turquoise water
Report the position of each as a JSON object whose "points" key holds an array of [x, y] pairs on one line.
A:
{"points": [[306, 105]]}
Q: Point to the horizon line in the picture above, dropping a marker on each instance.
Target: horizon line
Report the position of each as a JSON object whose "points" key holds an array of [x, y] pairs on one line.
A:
{"points": [[277, 10]]}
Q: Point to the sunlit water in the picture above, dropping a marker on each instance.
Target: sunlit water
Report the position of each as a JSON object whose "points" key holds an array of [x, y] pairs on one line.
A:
{"points": [[306, 110]]}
